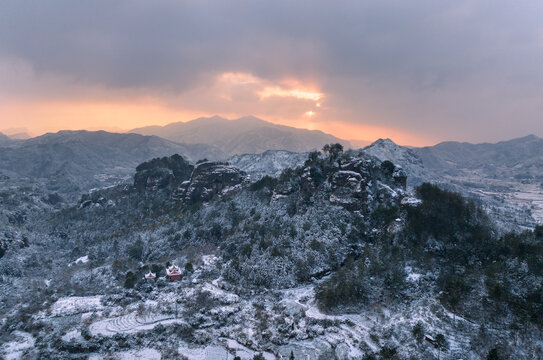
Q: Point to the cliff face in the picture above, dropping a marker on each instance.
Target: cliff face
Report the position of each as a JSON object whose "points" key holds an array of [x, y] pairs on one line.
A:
{"points": [[161, 173], [210, 180]]}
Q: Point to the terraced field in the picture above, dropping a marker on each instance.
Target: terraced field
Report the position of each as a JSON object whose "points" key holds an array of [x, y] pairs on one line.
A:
{"points": [[130, 323]]}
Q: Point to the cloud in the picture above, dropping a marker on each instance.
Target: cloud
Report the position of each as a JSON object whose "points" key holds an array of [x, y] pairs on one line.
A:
{"points": [[468, 70]]}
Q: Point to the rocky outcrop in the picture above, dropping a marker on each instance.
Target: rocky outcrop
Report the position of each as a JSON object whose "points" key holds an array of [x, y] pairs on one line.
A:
{"points": [[210, 180], [400, 177], [161, 173], [348, 190]]}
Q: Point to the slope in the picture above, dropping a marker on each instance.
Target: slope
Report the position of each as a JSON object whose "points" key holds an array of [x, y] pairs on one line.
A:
{"points": [[246, 135]]}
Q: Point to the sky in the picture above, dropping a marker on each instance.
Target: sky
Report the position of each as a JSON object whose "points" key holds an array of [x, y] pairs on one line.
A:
{"points": [[418, 72]]}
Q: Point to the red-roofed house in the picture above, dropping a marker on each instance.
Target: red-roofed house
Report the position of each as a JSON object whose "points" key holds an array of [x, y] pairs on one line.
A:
{"points": [[173, 273]]}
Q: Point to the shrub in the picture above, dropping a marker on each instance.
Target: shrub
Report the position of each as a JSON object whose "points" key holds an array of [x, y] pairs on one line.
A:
{"points": [[292, 208], [460, 225], [130, 280], [388, 167], [384, 215], [493, 355], [344, 288], [136, 250], [265, 181], [418, 332]]}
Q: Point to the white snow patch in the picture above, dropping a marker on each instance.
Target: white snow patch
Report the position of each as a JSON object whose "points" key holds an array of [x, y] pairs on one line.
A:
{"points": [[412, 201], [209, 260], [14, 350], [76, 304], [130, 323], [413, 277], [220, 294], [72, 335], [146, 353], [82, 260], [228, 350]]}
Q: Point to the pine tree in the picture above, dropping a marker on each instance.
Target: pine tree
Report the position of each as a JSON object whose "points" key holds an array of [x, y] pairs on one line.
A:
{"points": [[441, 344], [418, 332], [493, 355]]}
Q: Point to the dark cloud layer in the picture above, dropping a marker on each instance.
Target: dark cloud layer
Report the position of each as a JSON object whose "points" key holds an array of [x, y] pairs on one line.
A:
{"points": [[455, 69]]}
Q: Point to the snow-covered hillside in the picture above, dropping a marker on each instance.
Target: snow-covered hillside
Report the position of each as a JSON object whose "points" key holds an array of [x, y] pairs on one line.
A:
{"points": [[386, 149], [271, 162], [511, 196], [331, 256]]}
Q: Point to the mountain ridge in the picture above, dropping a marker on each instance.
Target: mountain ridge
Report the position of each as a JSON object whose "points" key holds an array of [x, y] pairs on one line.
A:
{"points": [[4, 139], [506, 176], [245, 135], [74, 161]]}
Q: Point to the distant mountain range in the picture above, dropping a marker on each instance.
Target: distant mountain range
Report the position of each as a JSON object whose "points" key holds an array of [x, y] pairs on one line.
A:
{"points": [[506, 176], [4, 139], [73, 161], [246, 135], [520, 158]]}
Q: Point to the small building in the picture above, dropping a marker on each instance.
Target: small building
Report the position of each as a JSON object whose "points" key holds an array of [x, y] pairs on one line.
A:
{"points": [[150, 276], [173, 273]]}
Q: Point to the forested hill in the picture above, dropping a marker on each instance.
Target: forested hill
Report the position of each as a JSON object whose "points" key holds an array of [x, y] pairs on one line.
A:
{"points": [[331, 259]]}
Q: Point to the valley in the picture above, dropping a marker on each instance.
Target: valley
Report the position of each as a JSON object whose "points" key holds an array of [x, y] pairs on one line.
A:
{"points": [[307, 255]]}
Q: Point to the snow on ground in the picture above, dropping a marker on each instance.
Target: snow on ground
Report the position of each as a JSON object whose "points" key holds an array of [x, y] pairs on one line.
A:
{"points": [[14, 350], [220, 294], [72, 335], [356, 329], [411, 201], [147, 354], [209, 260], [243, 352], [143, 354], [412, 276], [224, 349], [204, 353], [131, 323], [533, 195], [82, 260], [347, 336], [76, 304]]}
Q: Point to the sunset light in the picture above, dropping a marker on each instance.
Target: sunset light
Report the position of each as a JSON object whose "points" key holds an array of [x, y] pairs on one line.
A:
{"points": [[295, 93]]}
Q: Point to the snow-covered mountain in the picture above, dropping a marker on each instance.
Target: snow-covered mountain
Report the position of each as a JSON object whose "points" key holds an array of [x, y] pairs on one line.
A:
{"points": [[246, 135], [271, 162], [507, 177], [520, 158], [407, 158], [4, 139], [71, 162]]}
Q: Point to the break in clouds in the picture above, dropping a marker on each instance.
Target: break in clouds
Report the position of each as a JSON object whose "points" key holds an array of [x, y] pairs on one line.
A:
{"points": [[466, 70]]}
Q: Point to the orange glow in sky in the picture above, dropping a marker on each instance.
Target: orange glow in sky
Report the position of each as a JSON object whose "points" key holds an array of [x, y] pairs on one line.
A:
{"points": [[296, 93], [119, 116], [231, 95], [122, 116]]}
